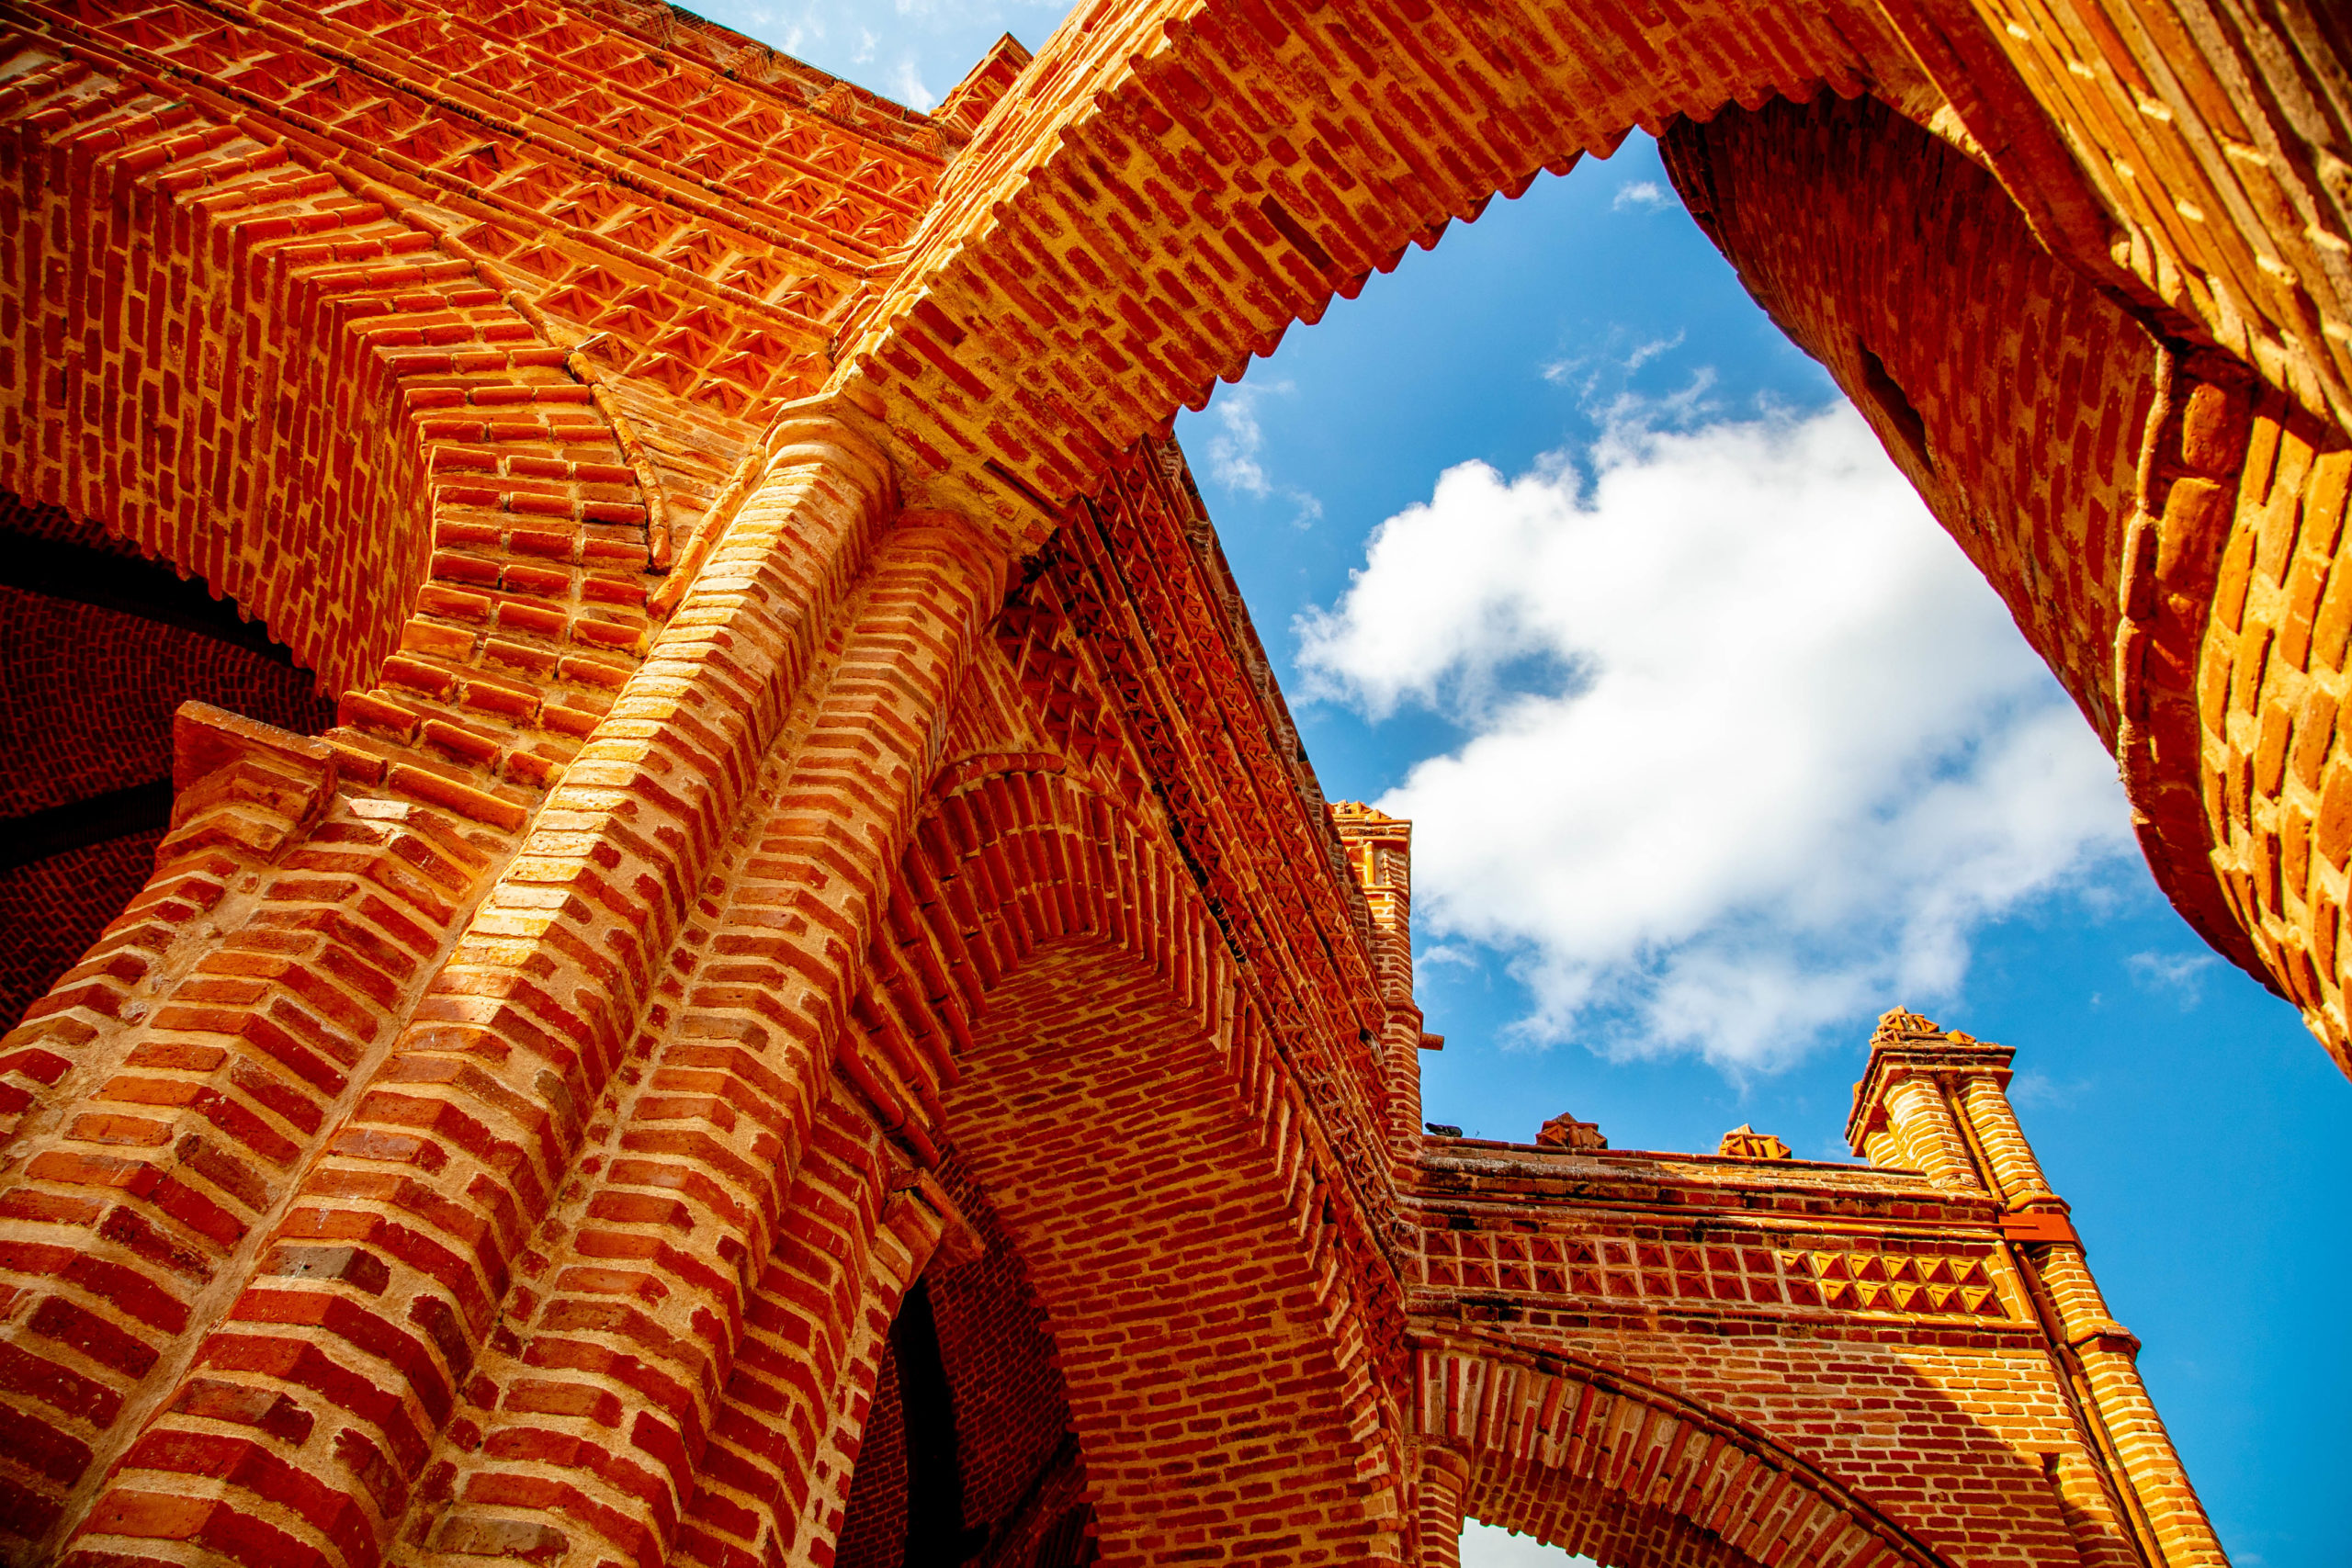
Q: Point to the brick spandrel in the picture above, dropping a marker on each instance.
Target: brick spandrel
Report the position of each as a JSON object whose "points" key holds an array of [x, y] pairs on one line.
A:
{"points": [[805, 1004]]}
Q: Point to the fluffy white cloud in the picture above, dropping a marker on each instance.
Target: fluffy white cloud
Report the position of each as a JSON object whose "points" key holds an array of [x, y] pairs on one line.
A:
{"points": [[1235, 453], [1484, 1546], [1641, 193], [1750, 748]]}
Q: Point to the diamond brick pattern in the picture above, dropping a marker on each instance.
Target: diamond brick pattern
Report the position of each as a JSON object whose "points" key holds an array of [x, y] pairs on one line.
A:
{"points": [[772, 985]]}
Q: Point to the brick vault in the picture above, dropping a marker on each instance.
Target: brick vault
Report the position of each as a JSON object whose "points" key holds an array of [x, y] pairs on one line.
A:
{"points": [[797, 1001]]}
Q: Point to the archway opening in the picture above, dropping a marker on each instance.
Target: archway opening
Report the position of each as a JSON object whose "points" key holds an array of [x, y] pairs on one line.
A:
{"points": [[98, 647], [966, 1455], [1211, 1410]]}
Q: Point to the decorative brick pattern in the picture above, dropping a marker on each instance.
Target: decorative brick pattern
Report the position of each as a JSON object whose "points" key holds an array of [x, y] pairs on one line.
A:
{"points": [[774, 1478], [811, 829], [1620, 1473]]}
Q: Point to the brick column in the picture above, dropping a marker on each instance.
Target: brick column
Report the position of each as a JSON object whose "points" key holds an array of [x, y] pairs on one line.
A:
{"points": [[1937, 1100], [1380, 849], [2105, 1352], [1901, 1119], [706, 1140], [351, 1339], [1440, 1493]]}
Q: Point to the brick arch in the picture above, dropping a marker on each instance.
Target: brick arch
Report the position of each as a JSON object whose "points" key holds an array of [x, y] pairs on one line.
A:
{"points": [[2044, 429], [1126, 1112], [1165, 194], [1605, 1466], [1087, 270], [261, 368]]}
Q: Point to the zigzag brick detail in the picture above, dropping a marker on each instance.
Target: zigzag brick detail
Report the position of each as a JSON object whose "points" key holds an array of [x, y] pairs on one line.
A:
{"points": [[512, 1123]]}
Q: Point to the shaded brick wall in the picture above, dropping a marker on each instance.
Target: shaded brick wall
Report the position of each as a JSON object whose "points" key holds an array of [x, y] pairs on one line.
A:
{"points": [[2006, 387], [508, 1124]]}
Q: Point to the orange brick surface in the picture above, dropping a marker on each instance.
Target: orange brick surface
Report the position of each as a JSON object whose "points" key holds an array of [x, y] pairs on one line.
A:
{"points": [[796, 1001]]}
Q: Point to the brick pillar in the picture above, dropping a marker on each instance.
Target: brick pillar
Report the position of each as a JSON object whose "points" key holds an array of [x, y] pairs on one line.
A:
{"points": [[1938, 1102], [1901, 1118], [1380, 851], [189, 1067], [2163, 1502], [351, 1339], [1443, 1489], [707, 1138]]}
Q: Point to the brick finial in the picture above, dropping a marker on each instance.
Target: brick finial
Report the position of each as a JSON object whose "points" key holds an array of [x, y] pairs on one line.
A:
{"points": [[1565, 1132], [1745, 1142]]}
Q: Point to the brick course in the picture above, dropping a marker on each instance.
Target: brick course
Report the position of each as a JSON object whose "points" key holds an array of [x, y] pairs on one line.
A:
{"points": [[807, 826]]}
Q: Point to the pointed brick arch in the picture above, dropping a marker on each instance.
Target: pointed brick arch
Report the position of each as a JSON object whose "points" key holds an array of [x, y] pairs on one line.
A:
{"points": [[1633, 1477], [263, 369], [1132, 1121]]}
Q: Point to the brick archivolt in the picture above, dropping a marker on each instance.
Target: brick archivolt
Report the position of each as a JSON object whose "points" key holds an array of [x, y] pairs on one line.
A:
{"points": [[1103, 1112], [1604, 1466], [1015, 859], [2194, 159], [1176, 183]]}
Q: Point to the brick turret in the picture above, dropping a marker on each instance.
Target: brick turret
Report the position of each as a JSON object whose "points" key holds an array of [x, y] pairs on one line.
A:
{"points": [[1937, 1101]]}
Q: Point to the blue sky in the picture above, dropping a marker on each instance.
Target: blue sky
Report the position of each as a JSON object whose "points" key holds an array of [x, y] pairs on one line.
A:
{"points": [[1692, 811]]}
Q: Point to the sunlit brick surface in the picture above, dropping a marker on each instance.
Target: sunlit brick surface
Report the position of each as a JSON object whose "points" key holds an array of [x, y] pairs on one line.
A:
{"points": [[805, 1004]]}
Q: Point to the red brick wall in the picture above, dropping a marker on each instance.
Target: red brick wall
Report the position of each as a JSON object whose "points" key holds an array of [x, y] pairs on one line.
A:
{"points": [[1211, 1408]]}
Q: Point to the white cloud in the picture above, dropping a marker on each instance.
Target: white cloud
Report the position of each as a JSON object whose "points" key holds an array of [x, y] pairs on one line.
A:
{"points": [[906, 85], [1752, 748], [1484, 1546], [1235, 453], [1647, 194], [2182, 975]]}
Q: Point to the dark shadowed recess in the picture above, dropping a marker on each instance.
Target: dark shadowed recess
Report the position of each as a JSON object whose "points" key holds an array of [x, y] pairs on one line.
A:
{"points": [[967, 1457], [97, 649]]}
